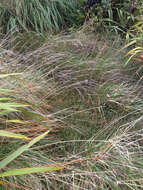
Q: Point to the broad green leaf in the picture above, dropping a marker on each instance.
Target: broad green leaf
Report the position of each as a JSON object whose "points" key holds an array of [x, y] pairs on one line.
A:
{"points": [[24, 171], [20, 150], [5, 99], [12, 135]]}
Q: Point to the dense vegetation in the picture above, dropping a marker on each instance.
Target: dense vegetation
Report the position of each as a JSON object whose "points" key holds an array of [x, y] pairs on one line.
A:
{"points": [[71, 98]]}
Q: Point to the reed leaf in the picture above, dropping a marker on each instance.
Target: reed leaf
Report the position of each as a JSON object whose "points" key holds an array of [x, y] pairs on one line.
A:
{"points": [[24, 171], [20, 150], [12, 135]]}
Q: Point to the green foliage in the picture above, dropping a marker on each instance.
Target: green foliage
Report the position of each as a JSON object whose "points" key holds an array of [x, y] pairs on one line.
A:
{"points": [[116, 15], [24, 171], [134, 38], [18, 114], [7, 107], [77, 89], [40, 16]]}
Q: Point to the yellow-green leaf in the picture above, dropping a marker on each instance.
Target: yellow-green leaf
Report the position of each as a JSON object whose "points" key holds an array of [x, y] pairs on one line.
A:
{"points": [[6, 75], [24, 171], [5, 99], [12, 135], [11, 105], [17, 121]]}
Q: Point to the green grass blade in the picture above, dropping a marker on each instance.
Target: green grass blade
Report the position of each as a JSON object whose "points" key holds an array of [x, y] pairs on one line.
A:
{"points": [[11, 105], [24, 171], [6, 75], [12, 135], [4, 99], [22, 149], [17, 121]]}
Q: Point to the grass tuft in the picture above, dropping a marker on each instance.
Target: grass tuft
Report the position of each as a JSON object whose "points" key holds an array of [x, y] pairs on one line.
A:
{"points": [[40, 16], [76, 85]]}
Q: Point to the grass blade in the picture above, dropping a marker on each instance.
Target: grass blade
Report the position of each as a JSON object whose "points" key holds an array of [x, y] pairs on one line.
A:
{"points": [[7, 75], [24, 171], [22, 149], [12, 135]]}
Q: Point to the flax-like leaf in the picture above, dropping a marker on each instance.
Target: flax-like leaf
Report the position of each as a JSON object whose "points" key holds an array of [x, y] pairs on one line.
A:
{"points": [[20, 150], [12, 135], [24, 171]]}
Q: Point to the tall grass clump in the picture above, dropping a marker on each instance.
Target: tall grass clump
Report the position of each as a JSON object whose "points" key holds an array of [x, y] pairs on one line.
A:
{"points": [[40, 16], [101, 143], [76, 87], [99, 107], [24, 121]]}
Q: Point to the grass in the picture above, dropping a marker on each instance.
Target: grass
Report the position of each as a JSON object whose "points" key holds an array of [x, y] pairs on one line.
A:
{"points": [[77, 87], [40, 16], [19, 121]]}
